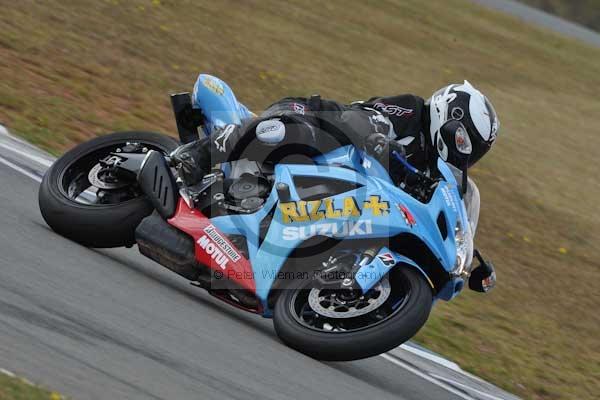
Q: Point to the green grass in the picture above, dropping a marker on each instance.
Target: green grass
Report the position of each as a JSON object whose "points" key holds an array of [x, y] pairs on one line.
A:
{"points": [[17, 389], [72, 70]]}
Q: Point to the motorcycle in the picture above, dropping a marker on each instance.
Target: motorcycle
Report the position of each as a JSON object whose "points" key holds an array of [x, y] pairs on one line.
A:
{"points": [[347, 263]]}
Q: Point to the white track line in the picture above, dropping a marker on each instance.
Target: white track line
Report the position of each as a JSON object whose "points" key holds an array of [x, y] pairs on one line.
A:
{"points": [[432, 357], [428, 378], [5, 132], [7, 373], [32, 157], [19, 169], [466, 387], [438, 379]]}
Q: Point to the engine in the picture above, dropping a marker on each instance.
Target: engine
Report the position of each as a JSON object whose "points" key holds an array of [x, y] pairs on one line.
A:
{"points": [[243, 190], [249, 192]]}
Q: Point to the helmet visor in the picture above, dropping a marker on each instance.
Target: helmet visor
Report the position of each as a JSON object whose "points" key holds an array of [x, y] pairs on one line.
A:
{"points": [[493, 119]]}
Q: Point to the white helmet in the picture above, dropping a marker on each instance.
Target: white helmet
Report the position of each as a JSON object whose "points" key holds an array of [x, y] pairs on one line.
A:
{"points": [[454, 110]]}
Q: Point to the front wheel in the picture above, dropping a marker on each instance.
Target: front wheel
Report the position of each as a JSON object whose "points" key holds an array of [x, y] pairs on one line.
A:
{"points": [[87, 203], [338, 325]]}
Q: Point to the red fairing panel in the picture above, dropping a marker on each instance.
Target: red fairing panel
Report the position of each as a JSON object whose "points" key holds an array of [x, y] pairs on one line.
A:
{"points": [[213, 248]]}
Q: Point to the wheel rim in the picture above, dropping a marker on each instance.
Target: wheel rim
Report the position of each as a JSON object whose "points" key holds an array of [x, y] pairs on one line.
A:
{"points": [[86, 182], [383, 302], [338, 304]]}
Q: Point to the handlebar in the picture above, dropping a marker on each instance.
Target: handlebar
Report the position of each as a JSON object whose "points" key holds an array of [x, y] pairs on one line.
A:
{"points": [[405, 163]]}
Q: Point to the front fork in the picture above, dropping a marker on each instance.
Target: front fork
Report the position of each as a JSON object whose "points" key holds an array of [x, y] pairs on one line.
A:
{"points": [[366, 257]]}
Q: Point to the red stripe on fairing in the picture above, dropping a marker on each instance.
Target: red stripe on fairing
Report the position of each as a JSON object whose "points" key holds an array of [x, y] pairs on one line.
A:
{"points": [[193, 222], [410, 219]]}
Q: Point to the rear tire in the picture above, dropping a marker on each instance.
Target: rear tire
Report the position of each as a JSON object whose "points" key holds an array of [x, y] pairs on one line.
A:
{"points": [[355, 345], [97, 225]]}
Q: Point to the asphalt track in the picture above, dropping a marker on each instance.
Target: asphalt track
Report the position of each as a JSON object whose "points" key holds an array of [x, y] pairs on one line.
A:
{"points": [[110, 324], [537, 17]]}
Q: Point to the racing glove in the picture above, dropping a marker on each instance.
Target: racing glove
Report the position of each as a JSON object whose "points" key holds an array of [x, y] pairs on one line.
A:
{"points": [[380, 147]]}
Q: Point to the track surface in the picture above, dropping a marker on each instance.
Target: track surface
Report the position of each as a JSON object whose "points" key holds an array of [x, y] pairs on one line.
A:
{"points": [[544, 19], [111, 324]]}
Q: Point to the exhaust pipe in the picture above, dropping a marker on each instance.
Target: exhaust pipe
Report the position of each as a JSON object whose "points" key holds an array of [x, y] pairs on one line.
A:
{"points": [[168, 246]]}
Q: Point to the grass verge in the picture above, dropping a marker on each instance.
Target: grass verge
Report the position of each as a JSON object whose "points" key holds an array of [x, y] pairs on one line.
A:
{"points": [[13, 388]]}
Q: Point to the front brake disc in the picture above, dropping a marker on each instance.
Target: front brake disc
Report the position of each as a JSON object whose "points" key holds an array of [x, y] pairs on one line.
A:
{"points": [[329, 305]]}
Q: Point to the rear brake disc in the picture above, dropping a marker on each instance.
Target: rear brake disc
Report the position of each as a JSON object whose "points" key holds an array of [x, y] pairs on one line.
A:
{"points": [[95, 178]]}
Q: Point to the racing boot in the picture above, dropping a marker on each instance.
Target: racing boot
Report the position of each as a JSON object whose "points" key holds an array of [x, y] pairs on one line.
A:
{"points": [[192, 161]]}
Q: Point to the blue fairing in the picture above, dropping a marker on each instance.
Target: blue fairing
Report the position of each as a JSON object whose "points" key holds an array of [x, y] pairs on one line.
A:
{"points": [[372, 209], [218, 103], [368, 275]]}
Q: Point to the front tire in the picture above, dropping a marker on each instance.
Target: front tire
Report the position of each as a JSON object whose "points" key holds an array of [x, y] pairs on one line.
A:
{"points": [[97, 224], [353, 344]]}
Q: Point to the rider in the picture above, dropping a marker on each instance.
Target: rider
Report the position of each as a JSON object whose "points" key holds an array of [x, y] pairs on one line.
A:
{"points": [[457, 123]]}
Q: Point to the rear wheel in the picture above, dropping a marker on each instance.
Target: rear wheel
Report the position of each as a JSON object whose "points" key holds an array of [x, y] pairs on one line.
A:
{"points": [[337, 325], [87, 203]]}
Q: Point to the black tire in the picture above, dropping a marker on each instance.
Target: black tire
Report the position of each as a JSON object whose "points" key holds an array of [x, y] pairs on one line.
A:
{"points": [[99, 226], [355, 345]]}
